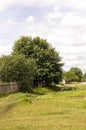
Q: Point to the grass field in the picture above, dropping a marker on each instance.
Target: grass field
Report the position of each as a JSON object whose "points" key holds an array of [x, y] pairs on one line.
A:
{"points": [[45, 109]]}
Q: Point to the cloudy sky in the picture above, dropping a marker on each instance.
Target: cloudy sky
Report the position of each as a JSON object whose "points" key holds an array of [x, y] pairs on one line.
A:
{"points": [[61, 22]]}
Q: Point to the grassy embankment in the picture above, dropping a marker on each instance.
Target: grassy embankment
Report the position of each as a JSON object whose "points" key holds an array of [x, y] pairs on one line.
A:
{"points": [[64, 109]]}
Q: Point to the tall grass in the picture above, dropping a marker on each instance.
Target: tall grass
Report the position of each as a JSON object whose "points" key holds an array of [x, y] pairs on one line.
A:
{"points": [[64, 108]]}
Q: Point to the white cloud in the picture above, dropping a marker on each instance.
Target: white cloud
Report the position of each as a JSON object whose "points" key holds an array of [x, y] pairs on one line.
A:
{"points": [[30, 19], [59, 24], [4, 4], [5, 48], [81, 4], [45, 3], [73, 20]]}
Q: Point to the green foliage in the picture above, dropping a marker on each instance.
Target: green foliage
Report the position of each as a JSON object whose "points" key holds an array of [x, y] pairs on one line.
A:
{"points": [[71, 76], [18, 69], [78, 72], [23, 46], [33, 62], [49, 66], [4, 69], [74, 74], [84, 77]]}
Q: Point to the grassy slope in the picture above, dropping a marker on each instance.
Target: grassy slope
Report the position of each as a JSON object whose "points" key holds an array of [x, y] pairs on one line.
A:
{"points": [[45, 110]]}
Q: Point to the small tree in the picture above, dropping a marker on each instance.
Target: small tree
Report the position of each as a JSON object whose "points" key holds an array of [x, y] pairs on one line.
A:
{"points": [[71, 76], [18, 69], [78, 72], [74, 74]]}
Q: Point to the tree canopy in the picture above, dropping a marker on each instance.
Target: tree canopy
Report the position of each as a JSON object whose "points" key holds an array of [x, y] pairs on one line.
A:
{"points": [[49, 66], [78, 72], [74, 74], [33, 60], [17, 69]]}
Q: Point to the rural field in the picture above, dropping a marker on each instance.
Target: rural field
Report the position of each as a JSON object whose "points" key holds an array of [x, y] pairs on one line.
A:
{"points": [[64, 108]]}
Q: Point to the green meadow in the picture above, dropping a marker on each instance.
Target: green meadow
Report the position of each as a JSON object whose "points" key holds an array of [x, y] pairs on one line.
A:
{"points": [[60, 108]]}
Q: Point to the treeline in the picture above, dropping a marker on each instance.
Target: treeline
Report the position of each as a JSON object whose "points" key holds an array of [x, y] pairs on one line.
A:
{"points": [[75, 74], [33, 62]]}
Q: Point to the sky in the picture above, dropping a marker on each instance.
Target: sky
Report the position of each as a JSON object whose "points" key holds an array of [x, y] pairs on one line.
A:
{"points": [[61, 22]]}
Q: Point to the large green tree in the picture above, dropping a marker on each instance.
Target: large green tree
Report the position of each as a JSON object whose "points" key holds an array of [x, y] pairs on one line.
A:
{"points": [[49, 66]]}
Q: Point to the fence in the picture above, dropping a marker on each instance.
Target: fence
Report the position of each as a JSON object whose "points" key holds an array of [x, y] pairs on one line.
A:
{"points": [[8, 88]]}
